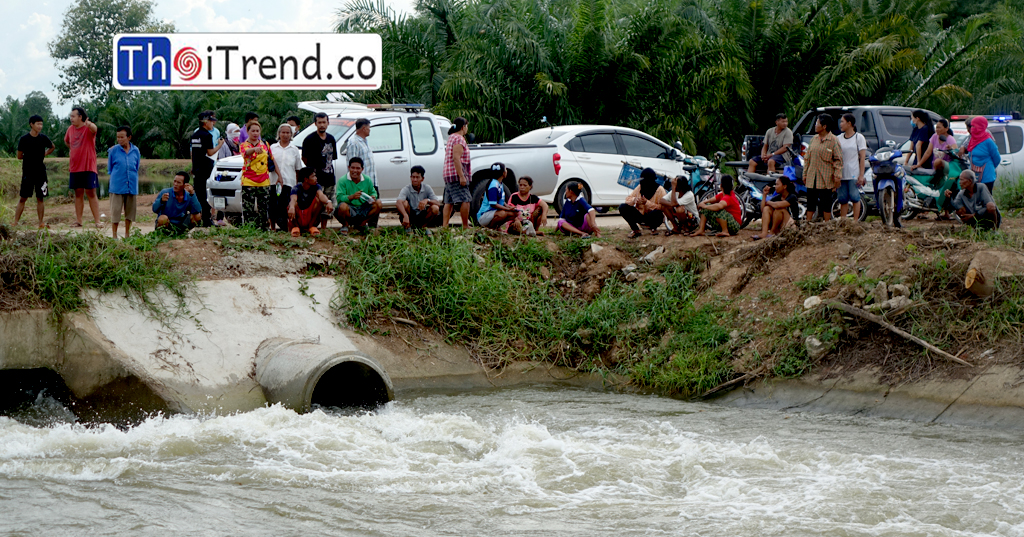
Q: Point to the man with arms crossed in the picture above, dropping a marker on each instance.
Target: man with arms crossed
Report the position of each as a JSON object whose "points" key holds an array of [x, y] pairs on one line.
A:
{"points": [[319, 150], [203, 151], [32, 149], [81, 141]]}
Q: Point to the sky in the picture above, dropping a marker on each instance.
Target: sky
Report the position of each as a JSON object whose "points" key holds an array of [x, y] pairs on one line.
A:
{"points": [[29, 25]]}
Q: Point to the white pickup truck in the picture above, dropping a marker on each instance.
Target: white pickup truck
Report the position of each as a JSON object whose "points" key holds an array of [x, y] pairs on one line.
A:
{"points": [[401, 136]]}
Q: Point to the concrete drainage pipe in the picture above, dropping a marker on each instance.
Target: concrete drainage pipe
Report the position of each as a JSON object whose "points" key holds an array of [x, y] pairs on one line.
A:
{"points": [[299, 374]]}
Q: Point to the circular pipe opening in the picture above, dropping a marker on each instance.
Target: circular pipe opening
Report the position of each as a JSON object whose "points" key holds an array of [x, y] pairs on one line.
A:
{"points": [[350, 384]]}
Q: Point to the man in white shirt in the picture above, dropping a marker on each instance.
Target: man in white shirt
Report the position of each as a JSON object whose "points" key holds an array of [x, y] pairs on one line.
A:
{"points": [[288, 160]]}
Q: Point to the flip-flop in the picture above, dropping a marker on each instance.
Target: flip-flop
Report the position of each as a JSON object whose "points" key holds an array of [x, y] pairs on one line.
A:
{"points": [[755, 238], [634, 234], [76, 224], [313, 231], [296, 232]]}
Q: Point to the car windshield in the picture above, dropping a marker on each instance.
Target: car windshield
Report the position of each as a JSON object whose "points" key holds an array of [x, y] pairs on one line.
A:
{"points": [[538, 137], [337, 128]]}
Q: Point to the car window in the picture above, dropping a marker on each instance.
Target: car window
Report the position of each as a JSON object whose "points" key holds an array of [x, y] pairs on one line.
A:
{"points": [[387, 137], [1015, 136], [897, 124], [865, 125], [424, 138], [636, 146], [574, 145], [598, 143], [806, 124], [538, 137]]}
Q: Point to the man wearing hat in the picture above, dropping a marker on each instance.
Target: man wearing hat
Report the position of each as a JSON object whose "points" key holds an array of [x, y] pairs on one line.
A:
{"points": [[493, 211], [203, 152]]}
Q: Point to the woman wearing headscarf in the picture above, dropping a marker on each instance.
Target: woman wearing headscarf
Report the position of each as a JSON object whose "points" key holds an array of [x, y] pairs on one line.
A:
{"points": [[984, 153], [642, 206], [230, 146]]}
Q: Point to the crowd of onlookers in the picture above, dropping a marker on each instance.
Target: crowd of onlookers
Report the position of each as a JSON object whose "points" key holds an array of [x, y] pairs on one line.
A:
{"points": [[305, 194]]}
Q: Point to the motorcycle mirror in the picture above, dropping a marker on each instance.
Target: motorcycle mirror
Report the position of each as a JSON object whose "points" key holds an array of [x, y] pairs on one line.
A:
{"points": [[891, 144], [720, 154], [470, 137], [678, 145]]}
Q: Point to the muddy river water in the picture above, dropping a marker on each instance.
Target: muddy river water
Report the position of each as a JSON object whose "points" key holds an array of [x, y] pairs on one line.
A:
{"points": [[539, 461]]}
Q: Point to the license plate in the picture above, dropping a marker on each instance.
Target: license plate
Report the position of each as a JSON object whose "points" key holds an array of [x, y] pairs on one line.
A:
{"points": [[220, 203]]}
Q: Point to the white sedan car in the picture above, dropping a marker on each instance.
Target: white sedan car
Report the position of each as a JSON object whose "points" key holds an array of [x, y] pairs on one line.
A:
{"points": [[593, 155]]}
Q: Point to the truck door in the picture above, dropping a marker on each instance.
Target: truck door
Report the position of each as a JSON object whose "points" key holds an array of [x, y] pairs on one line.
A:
{"points": [[390, 156], [427, 151], [1015, 167]]}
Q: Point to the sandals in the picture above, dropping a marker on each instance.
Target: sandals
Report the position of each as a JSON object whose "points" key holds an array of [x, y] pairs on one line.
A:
{"points": [[296, 232], [634, 234], [313, 231]]}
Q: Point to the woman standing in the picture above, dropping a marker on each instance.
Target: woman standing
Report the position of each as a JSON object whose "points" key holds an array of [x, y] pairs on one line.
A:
{"points": [[255, 179], [984, 153], [823, 168], [855, 150], [288, 161], [456, 173]]}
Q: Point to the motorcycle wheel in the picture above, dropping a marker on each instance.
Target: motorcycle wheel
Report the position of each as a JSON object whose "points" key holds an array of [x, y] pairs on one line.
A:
{"points": [[836, 213], [888, 208], [909, 201], [746, 203]]}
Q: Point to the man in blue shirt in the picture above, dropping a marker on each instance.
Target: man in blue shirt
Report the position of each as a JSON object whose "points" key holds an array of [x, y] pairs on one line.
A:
{"points": [[493, 212], [123, 166], [578, 217], [177, 208]]}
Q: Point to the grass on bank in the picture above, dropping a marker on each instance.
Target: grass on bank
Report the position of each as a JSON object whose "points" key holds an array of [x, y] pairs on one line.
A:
{"points": [[56, 269]]}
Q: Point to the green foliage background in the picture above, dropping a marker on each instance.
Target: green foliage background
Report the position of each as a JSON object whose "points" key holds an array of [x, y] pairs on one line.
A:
{"points": [[704, 72]]}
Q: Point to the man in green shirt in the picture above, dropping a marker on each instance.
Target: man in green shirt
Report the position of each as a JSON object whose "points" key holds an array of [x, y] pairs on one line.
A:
{"points": [[358, 205]]}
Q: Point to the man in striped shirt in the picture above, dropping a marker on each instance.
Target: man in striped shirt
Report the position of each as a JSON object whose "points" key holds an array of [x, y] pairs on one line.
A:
{"points": [[359, 147]]}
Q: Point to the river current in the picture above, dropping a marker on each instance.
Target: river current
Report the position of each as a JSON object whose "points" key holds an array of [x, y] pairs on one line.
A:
{"points": [[539, 461]]}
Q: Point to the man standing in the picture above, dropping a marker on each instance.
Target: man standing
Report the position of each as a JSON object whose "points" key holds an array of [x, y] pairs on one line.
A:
{"points": [[359, 147], [123, 165], [417, 204], [308, 203], [81, 141], [358, 205], [775, 150], [32, 149], [203, 152], [319, 150]]}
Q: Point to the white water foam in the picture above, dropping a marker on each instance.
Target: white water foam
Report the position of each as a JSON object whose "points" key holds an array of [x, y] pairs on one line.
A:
{"points": [[525, 461]]}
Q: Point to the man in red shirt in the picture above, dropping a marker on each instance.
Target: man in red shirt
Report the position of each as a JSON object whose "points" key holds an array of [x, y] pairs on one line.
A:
{"points": [[81, 141]]}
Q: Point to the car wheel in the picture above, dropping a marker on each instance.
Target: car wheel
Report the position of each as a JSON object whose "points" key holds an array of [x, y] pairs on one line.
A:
{"points": [[560, 193]]}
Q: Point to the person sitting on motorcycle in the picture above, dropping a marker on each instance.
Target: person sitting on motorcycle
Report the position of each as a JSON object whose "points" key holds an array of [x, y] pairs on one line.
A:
{"points": [[778, 210], [940, 142], [919, 161], [775, 149], [974, 204], [680, 207]]}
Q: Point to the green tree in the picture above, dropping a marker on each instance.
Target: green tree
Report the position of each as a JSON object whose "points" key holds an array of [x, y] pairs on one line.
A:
{"points": [[84, 44]]}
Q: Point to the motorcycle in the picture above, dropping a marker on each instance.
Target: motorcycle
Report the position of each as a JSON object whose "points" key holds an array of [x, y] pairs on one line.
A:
{"points": [[888, 183], [921, 195], [757, 183]]}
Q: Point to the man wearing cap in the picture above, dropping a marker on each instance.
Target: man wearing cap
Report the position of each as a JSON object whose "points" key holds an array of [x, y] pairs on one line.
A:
{"points": [[493, 210], [974, 204], [203, 152], [359, 147]]}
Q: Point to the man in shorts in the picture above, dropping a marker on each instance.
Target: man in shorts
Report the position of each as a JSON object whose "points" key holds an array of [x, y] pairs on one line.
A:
{"points": [[81, 141], [123, 165], [358, 205], [417, 204], [775, 150], [319, 150], [32, 149], [307, 204]]}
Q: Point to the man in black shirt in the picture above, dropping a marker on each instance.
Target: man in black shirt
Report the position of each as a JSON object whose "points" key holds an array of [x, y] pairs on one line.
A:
{"points": [[203, 151], [319, 150], [32, 149]]}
